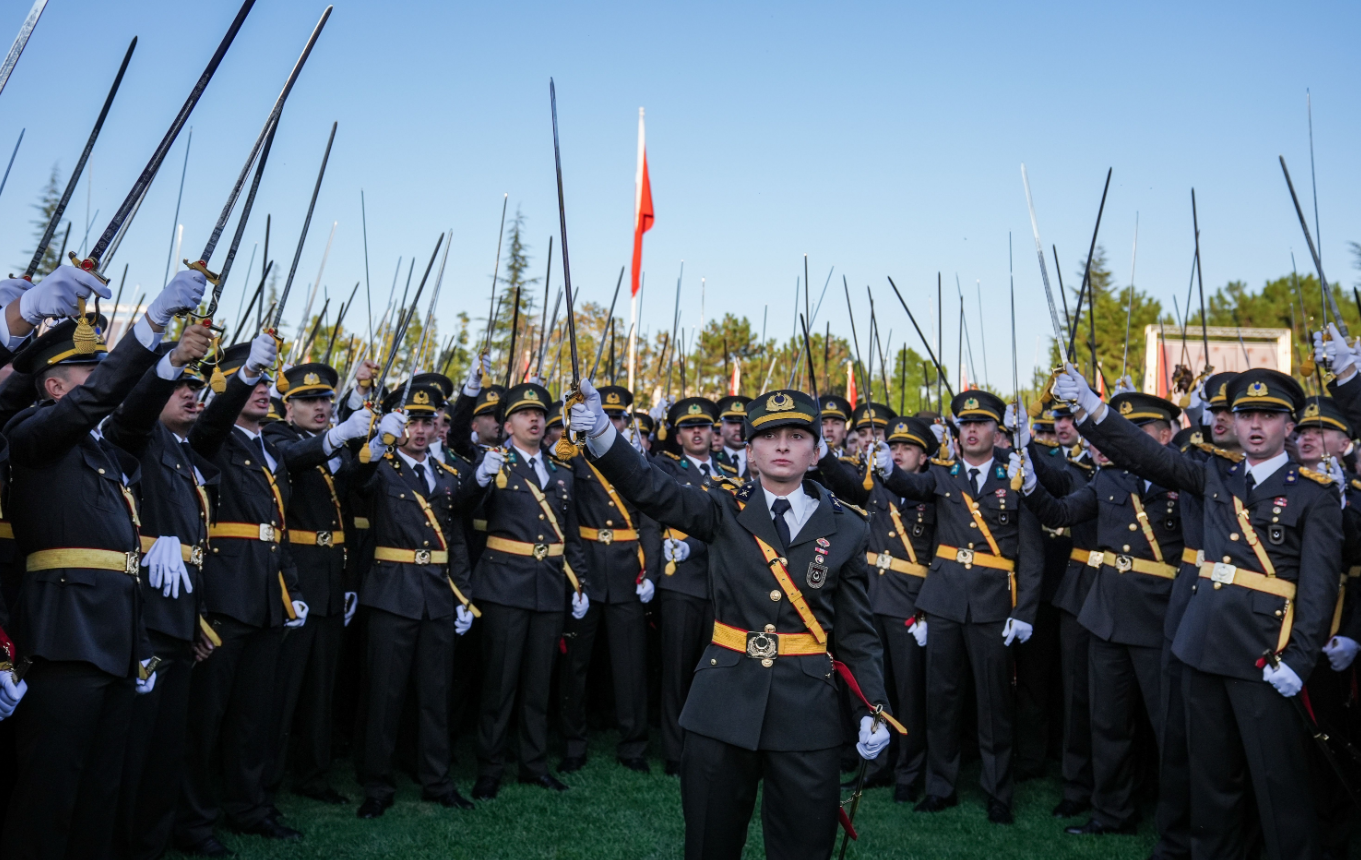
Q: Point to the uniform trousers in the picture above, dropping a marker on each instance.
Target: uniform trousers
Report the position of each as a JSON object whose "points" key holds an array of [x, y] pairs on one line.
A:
{"points": [[1246, 739], [955, 650], [70, 728], [401, 651], [1120, 676], [153, 767], [687, 628], [309, 657], [798, 803], [231, 696], [1037, 670], [1075, 645], [1174, 765], [519, 647], [1329, 692], [625, 627], [905, 677]]}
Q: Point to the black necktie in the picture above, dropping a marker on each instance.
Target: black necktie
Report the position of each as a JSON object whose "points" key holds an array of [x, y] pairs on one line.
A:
{"points": [[189, 458], [973, 480], [778, 508], [1251, 483], [264, 458], [704, 470], [420, 476], [534, 467]]}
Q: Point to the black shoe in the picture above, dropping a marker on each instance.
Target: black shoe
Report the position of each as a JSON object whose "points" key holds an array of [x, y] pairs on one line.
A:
{"points": [[572, 764], [325, 795], [905, 793], [546, 781], [637, 765], [486, 788], [673, 768], [1096, 828], [209, 847], [451, 800], [270, 828], [999, 812], [936, 803], [1070, 808], [372, 807]]}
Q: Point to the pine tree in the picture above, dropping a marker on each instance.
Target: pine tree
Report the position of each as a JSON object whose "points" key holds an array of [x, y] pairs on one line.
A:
{"points": [[514, 267], [46, 205]]}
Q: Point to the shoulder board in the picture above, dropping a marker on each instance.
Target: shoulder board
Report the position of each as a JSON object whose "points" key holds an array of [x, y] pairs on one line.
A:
{"points": [[839, 504], [725, 470], [563, 463], [1317, 477], [727, 481], [1048, 443], [1356, 484], [852, 460], [1082, 465], [441, 466], [745, 492], [1235, 456], [672, 455], [937, 461]]}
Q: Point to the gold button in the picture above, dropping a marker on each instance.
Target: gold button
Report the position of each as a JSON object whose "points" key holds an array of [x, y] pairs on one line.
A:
{"points": [[1125, 548], [611, 504], [540, 537], [713, 662], [1278, 613], [609, 522], [947, 495], [425, 543], [1133, 527], [767, 662], [1227, 559], [101, 471], [890, 534], [540, 516], [1275, 510], [1217, 584], [770, 628], [516, 487], [1275, 519], [973, 525], [401, 495], [1233, 535], [775, 595], [248, 462]]}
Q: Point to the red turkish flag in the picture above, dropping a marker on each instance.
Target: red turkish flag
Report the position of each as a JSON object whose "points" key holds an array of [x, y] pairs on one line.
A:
{"points": [[850, 384], [642, 219]]}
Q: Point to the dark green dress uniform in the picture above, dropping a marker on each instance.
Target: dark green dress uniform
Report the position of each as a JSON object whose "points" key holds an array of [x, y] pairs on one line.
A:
{"points": [[521, 584], [969, 594], [249, 583], [177, 486], [733, 409], [309, 657], [837, 408], [687, 615], [764, 702], [411, 594], [1271, 589], [622, 548], [79, 617], [1139, 547]]}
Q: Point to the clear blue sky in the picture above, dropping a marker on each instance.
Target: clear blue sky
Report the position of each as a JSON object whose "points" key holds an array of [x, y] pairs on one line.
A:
{"points": [[879, 138]]}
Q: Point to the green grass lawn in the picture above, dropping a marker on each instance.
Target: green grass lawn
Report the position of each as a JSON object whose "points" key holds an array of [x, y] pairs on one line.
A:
{"points": [[614, 813]]}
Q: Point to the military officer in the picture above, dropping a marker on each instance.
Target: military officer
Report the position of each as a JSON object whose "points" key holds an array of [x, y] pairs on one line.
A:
{"points": [[531, 573], [553, 430], [836, 412], [732, 413], [475, 420], [787, 574], [646, 427], [1258, 616], [980, 596]]}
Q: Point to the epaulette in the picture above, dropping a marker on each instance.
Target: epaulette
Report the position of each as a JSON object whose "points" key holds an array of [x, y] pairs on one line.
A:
{"points": [[838, 504], [440, 465], [672, 455], [1356, 484], [1235, 456], [852, 460], [937, 461], [552, 458], [1088, 466], [1317, 477], [1048, 443], [729, 483]]}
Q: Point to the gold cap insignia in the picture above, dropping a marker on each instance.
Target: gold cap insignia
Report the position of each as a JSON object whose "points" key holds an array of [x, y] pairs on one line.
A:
{"points": [[739, 406], [1224, 390], [612, 398], [1311, 411], [1126, 408], [531, 394], [829, 405], [695, 409], [971, 403], [493, 397], [901, 428], [1257, 389], [779, 403], [311, 379], [421, 398]]}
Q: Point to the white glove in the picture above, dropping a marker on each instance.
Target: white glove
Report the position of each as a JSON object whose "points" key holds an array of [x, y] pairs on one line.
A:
{"points": [[263, 351], [56, 295], [472, 385], [646, 591], [938, 430], [183, 293], [883, 458], [354, 427], [165, 567], [1283, 678], [392, 424], [658, 411], [491, 463], [1021, 430], [351, 606], [1016, 630], [589, 417], [1018, 465], [1124, 385], [633, 438], [1332, 467], [1197, 396], [918, 630], [300, 610], [580, 603], [463, 619], [144, 687], [10, 694], [823, 451], [1341, 651], [11, 289], [1071, 386], [871, 743], [675, 550], [1341, 358]]}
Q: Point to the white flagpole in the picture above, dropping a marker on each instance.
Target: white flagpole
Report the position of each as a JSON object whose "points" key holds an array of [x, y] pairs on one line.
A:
{"points": [[637, 215]]}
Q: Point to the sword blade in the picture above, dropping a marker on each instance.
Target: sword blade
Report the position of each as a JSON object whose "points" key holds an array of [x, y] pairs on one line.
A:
{"points": [[404, 320], [1313, 252], [20, 41], [241, 225], [600, 348], [307, 222], [562, 223], [1039, 252]]}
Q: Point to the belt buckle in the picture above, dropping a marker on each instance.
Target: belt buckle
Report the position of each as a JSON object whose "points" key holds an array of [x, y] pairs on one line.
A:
{"points": [[324, 538], [540, 551], [1094, 558], [884, 561], [1124, 563], [266, 532], [422, 556], [964, 556], [1223, 573], [763, 646], [132, 563], [606, 536], [196, 555]]}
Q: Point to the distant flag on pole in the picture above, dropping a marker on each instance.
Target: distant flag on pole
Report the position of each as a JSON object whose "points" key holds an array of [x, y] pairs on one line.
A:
{"points": [[643, 215], [850, 384], [735, 386]]}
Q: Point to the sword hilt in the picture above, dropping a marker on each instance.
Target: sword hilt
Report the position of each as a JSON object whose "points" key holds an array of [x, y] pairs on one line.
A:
{"points": [[365, 455], [89, 264], [202, 267]]}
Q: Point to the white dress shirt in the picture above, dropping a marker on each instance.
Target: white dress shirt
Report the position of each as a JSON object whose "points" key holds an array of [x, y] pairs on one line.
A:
{"points": [[535, 460], [707, 464], [1266, 468], [426, 466], [269, 460], [801, 507], [739, 456]]}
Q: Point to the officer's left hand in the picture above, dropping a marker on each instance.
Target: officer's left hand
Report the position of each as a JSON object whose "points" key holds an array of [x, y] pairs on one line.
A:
{"points": [[11, 692], [183, 293], [588, 416], [492, 461], [883, 457], [165, 567], [580, 603], [1021, 428], [1016, 630], [263, 352], [1283, 678], [144, 687], [11, 289], [351, 605], [1341, 357], [354, 427], [871, 743], [1072, 386], [463, 619], [1018, 465], [918, 629], [1124, 385], [675, 550], [300, 610], [658, 411], [646, 591], [1341, 651]]}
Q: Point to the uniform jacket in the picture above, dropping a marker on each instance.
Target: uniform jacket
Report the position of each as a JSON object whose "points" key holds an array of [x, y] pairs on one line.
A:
{"points": [[171, 501], [1298, 521], [399, 521], [793, 703], [975, 593], [16, 395], [1123, 606], [67, 491], [1066, 580], [690, 577], [616, 567]]}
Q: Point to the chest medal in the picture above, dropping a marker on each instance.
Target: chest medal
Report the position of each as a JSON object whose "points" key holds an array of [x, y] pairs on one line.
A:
{"points": [[817, 573]]}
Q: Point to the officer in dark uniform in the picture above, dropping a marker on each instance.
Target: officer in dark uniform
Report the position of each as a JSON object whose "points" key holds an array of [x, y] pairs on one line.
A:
{"points": [[475, 420], [623, 548], [687, 614], [980, 596], [1259, 613], [416, 596], [153, 424], [732, 414], [836, 412], [1139, 547], [250, 592], [439, 440], [553, 429], [646, 427], [78, 614], [532, 571], [318, 463], [787, 573]]}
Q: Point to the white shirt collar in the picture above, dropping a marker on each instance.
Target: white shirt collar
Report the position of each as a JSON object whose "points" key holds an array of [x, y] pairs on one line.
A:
{"points": [[426, 467], [1266, 468], [698, 462], [528, 455], [801, 507]]}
